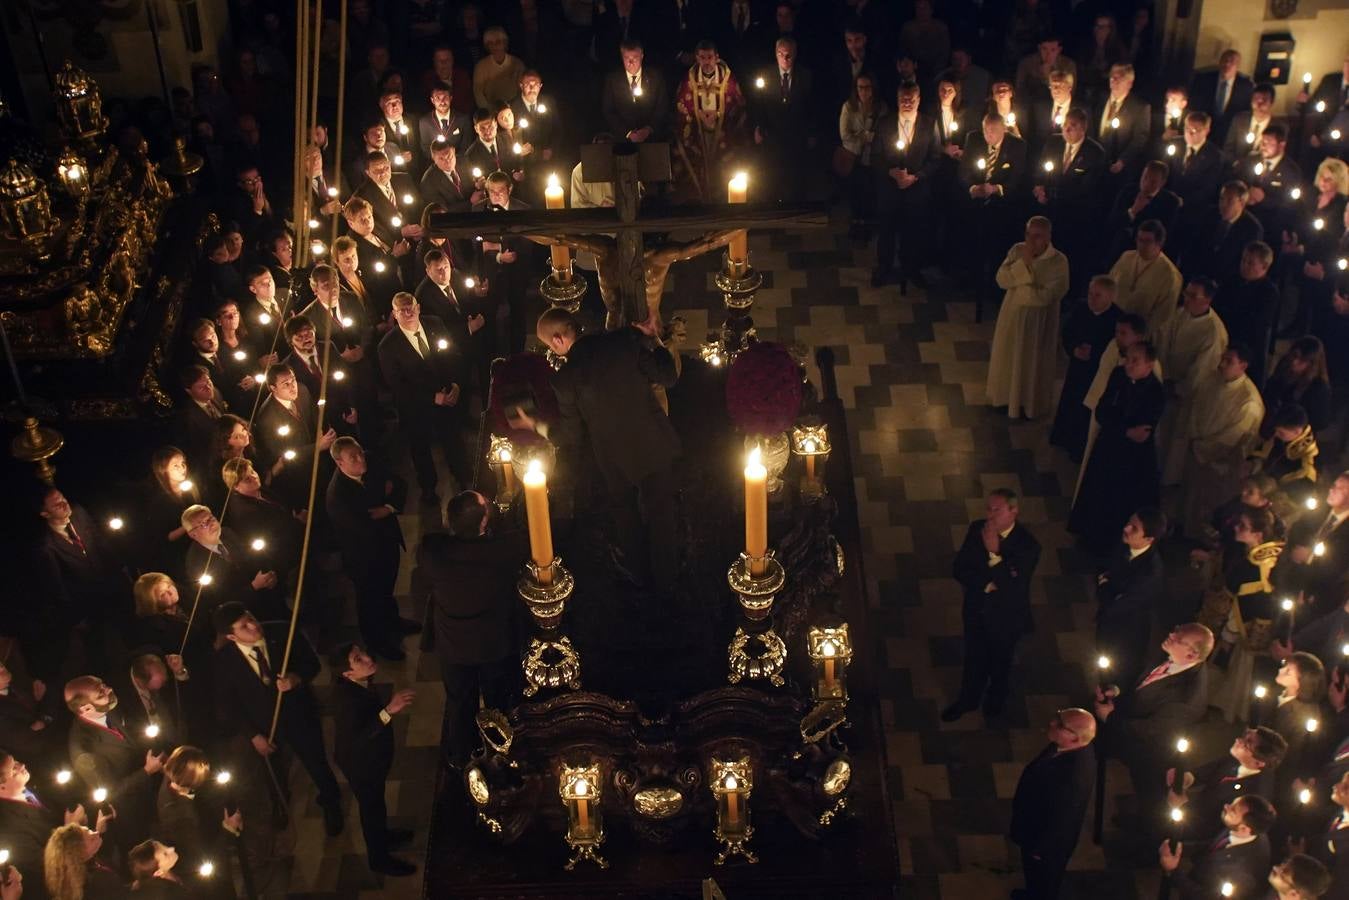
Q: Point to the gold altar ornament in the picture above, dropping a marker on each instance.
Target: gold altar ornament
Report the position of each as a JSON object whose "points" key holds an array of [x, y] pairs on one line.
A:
{"points": [[756, 511], [37, 445], [25, 207], [810, 441], [73, 174], [757, 655], [732, 782], [79, 106], [579, 787], [837, 777], [713, 353], [562, 287], [477, 786], [658, 802], [830, 651]]}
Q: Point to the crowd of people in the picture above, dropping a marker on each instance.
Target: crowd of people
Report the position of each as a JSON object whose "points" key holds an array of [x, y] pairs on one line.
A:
{"points": [[1172, 234]]}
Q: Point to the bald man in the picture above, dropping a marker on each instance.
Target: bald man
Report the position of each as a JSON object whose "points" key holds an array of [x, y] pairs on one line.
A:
{"points": [[1051, 801]]}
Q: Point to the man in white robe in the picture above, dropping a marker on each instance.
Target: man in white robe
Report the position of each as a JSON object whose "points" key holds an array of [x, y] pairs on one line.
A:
{"points": [[1222, 425], [1149, 283], [1025, 340], [1189, 347]]}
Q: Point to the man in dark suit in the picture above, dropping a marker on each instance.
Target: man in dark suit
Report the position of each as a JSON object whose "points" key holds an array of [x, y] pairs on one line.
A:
{"points": [[993, 170], [1328, 572], [150, 695], [1243, 135], [426, 374], [285, 435], [380, 263], [621, 22], [343, 319], [1238, 855], [27, 821], [1129, 594], [1222, 92], [484, 154], [26, 715], [1271, 181], [1331, 845], [781, 112], [315, 361], [1221, 236], [737, 32], [399, 139], [471, 574], [469, 328], [363, 748], [1248, 306], [79, 587], [247, 680], [1197, 169], [392, 198], [993, 567], [1141, 725], [1067, 176], [538, 118], [604, 392], [635, 101], [224, 558], [1051, 802], [1134, 206], [197, 415], [1247, 768], [904, 155], [443, 126], [506, 263], [363, 509], [444, 185], [1047, 115], [105, 754], [1123, 125]]}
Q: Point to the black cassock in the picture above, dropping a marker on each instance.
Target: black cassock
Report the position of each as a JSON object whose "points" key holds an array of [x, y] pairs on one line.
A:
{"points": [[1072, 418], [1121, 474]]}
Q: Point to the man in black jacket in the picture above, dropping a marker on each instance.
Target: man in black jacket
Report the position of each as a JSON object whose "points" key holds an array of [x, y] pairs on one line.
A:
{"points": [[1248, 306], [470, 331], [1221, 236], [1135, 205], [1222, 92], [604, 391], [363, 748], [1051, 802], [1123, 124], [1141, 725], [1238, 855], [472, 574], [426, 374], [363, 508], [781, 111], [635, 101], [223, 564], [1197, 168], [26, 821], [994, 567], [992, 171], [1129, 594], [1067, 177], [247, 681], [905, 155], [1247, 768]]}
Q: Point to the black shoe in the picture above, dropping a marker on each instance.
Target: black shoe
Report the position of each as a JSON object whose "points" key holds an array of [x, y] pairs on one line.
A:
{"points": [[392, 865], [332, 820], [393, 652], [409, 626], [953, 712], [397, 837]]}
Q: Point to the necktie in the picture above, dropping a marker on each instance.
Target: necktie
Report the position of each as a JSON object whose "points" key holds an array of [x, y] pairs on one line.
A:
{"points": [[454, 180], [388, 192], [1154, 675], [1221, 103], [495, 159], [264, 668], [75, 538], [319, 187], [1326, 527], [1189, 158], [1223, 840], [1067, 156], [988, 164], [786, 85], [212, 410], [422, 347], [32, 799], [313, 364], [444, 124]]}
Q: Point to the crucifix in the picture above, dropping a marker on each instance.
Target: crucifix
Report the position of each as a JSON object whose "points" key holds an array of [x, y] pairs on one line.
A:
{"points": [[631, 275]]}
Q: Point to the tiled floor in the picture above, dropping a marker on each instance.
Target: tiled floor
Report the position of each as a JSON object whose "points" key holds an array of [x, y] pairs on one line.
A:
{"points": [[911, 373]]}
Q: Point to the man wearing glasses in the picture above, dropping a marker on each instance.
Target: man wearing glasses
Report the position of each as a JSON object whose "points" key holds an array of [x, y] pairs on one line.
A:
{"points": [[220, 562], [1051, 802], [1247, 768]]}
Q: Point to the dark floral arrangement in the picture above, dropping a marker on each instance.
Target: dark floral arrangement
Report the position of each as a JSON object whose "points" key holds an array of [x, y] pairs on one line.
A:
{"points": [[763, 389]]}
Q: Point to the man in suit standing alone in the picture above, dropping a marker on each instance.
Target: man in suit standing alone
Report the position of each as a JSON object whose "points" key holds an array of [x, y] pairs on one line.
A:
{"points": [[426, 375], [994, 566], [363, 748], [1051, 802]]}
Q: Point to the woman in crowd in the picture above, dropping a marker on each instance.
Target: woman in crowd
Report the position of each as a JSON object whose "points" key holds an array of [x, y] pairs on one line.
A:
{"points": [[1300, 377], [1002, 100], [151, 866], [1314, 241], [72, 869], [856, 131], [168, 493], [193, 814]]}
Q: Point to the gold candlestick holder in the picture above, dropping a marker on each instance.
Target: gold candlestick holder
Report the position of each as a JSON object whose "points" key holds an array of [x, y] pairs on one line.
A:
{"points": [[551, 661], [830, 652], [738, 283], [837, 777], [501, 460], [732, 783], [579, 787], [810, 441], [37, 445], [563, 288], [756, 651]]}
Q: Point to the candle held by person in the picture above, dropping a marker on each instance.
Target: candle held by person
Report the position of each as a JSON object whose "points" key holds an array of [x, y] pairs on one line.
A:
{"points": [[152, 731], [555, 199], [116, 523], [536, 512], [756, 512], [737, 191]]}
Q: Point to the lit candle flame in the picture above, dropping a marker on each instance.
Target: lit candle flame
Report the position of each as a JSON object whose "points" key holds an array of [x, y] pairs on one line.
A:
{"points": [[152, 731], [470, 283], [1261, 692], [582, 787], [541, 108], [1311, 725], [339, 375], [396, 221], [63, 776], [379, 265], [1049, 165], [1319, 549], [442, 344], [1286, 604], [264, 319], [1227, 889], [1320, 106], [1182, 745], [205, 579], [184, 486], [553, 181], [524, 123], [407, 199], [1114, 123], [755, 459], [240, 355], [116, 523], [759, 82], [100, 794], [283, 430], [1103, 662], [332, 192], [1304, 796], [206, 869], [259, 544], [517, 148], [1318, 224], [477, 173], [318, 248], [1334, 134], [222, 777], [1306, 77], [290, 454], [1295, 193], [398, 159], [1311, 503], [313, 223], [731, 782], [1177, 814], [1170, 149], [346, 321], [979, 163], [828, 649]]}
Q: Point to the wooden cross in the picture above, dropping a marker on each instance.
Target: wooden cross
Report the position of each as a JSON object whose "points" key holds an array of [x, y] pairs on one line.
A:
{"points": [[630, 272]]}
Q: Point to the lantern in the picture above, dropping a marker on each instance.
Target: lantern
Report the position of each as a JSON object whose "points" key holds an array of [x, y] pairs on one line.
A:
{"points": [[73, 174], [830, 651], [732, 782], [579, 787], [25, 207], [810, 441], [501, 460], [79, 107]]}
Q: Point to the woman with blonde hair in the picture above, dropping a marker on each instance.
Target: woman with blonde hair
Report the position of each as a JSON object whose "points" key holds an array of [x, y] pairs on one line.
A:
{"points": [[1316, 240], [162, 622], [71, 868]]}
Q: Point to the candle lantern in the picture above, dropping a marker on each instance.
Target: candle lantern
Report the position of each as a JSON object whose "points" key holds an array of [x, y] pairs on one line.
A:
{"points": [[501, 460], [579, 788], [737, 281], [713, 353], [830, 652], [25, 207], [73, 174], [732, 782], [551, 661], [562, 287], [810, 441], [79, 106]]}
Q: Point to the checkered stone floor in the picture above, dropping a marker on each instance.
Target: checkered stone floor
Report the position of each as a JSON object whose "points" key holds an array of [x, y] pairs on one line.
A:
{"points": [[911, 374]]}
